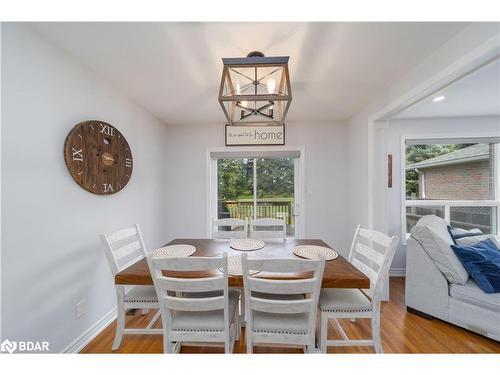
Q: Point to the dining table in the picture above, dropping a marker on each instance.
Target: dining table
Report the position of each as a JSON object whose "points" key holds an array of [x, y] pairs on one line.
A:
{"points": [[338, 273]]}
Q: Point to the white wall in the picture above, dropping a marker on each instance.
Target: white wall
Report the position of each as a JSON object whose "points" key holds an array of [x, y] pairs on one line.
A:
{"points": [[51, 226], [325, 175], [439, 127], [358, 133]]}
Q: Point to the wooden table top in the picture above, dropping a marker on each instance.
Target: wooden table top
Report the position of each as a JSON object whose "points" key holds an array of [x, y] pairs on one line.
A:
{"points": [[339, 273]]}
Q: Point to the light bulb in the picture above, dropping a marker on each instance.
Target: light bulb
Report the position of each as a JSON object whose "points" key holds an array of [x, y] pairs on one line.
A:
{"points": [[238, 89], [271, 86], [244, 104]]}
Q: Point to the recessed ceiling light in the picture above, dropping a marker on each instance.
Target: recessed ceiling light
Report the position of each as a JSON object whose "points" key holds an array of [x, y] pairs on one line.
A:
{"points": [[439, 98]]}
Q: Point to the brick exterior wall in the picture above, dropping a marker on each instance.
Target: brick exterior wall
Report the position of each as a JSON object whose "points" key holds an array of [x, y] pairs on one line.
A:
{"points": [[466, 181]]}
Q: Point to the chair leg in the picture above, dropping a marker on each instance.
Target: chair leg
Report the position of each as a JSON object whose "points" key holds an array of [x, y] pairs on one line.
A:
{"points": [[242, 307], [377, 342], [120, 326], [323, 332], [168, 346], [311, 348], [227, 342], [249, 340], [177, 347], [238, 329]]}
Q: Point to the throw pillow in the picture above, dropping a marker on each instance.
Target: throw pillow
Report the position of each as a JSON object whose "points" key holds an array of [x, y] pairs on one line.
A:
{"points": [[457, 233], [482, 261], [466, 241]]}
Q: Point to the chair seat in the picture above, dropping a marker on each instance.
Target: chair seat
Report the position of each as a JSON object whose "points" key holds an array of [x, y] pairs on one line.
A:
{"points": [[344, 300], [280, 323], [205, 320], [141, 293]]}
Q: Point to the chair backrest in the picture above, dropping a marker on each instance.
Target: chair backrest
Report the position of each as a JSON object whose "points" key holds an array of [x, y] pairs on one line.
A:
{"points": [[170, 289], [238, 228], [268, 228], [124, 247], [372, 253], [265, 303]]}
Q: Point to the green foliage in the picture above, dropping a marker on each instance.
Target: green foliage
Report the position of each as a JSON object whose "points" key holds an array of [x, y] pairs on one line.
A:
{"points": [[235, 178], [418, 153], [275, 178]]}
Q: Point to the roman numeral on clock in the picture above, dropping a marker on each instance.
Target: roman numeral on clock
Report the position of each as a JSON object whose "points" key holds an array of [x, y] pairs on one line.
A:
{"points": [[108, 188], [77, 154], [128, 163], [106, 129]]}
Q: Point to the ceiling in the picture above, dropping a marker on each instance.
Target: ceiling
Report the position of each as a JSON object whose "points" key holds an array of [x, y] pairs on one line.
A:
{"points": [[174, 69], [477, 94]]}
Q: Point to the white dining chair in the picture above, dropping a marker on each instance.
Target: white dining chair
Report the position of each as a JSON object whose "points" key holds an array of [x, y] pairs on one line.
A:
{"points": [[238, 228], [281, 311], [196, 310], [371, 253], [124, 248], [268, 228]]}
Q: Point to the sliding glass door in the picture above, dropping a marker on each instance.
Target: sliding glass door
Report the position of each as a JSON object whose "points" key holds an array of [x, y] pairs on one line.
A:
{"points": [[252, 188]]}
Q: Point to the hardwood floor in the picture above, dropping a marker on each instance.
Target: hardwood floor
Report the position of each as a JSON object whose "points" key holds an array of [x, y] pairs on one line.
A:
{"points": [[402, 332]]}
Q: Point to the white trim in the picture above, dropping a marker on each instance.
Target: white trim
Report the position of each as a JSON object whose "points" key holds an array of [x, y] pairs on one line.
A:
{"points": [[480, 56], [212, 190], [496, 170], [397, 272], [91, 333], [300, 230], [1, 195], [496, 179], [453, 203], [254, 192]]}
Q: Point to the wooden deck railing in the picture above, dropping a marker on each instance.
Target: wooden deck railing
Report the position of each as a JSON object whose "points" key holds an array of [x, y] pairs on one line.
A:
{"points": [[266, 208]]}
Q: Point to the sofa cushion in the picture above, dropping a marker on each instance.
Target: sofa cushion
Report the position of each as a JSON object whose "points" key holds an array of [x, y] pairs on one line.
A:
{"points": [[466, 241], [457, 233], [470, 293], [482, 261], [431, 232]]}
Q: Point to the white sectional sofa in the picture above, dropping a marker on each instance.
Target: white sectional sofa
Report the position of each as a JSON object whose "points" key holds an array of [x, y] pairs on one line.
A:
{"points": [[436, 285]]}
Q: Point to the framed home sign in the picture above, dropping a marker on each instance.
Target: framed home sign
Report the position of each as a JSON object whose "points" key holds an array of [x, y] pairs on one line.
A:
{"points": [[255, 135]]}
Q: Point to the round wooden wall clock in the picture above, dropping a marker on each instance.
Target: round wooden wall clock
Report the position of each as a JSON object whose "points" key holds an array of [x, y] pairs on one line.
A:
{"points": [[98, 157]]}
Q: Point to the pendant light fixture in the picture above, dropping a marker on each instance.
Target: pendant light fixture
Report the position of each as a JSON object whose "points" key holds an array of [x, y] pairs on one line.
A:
{"points": [[255, 89]]}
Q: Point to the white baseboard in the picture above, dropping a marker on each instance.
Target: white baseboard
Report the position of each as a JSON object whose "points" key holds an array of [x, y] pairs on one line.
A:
{"points": [[397, 272], [91, 333]]}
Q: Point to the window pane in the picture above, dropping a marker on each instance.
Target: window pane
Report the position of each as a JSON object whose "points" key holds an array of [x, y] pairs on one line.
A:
{"points": [[450, 171], [275, 190], [484, 218], [413, 214], [234, 188]]}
